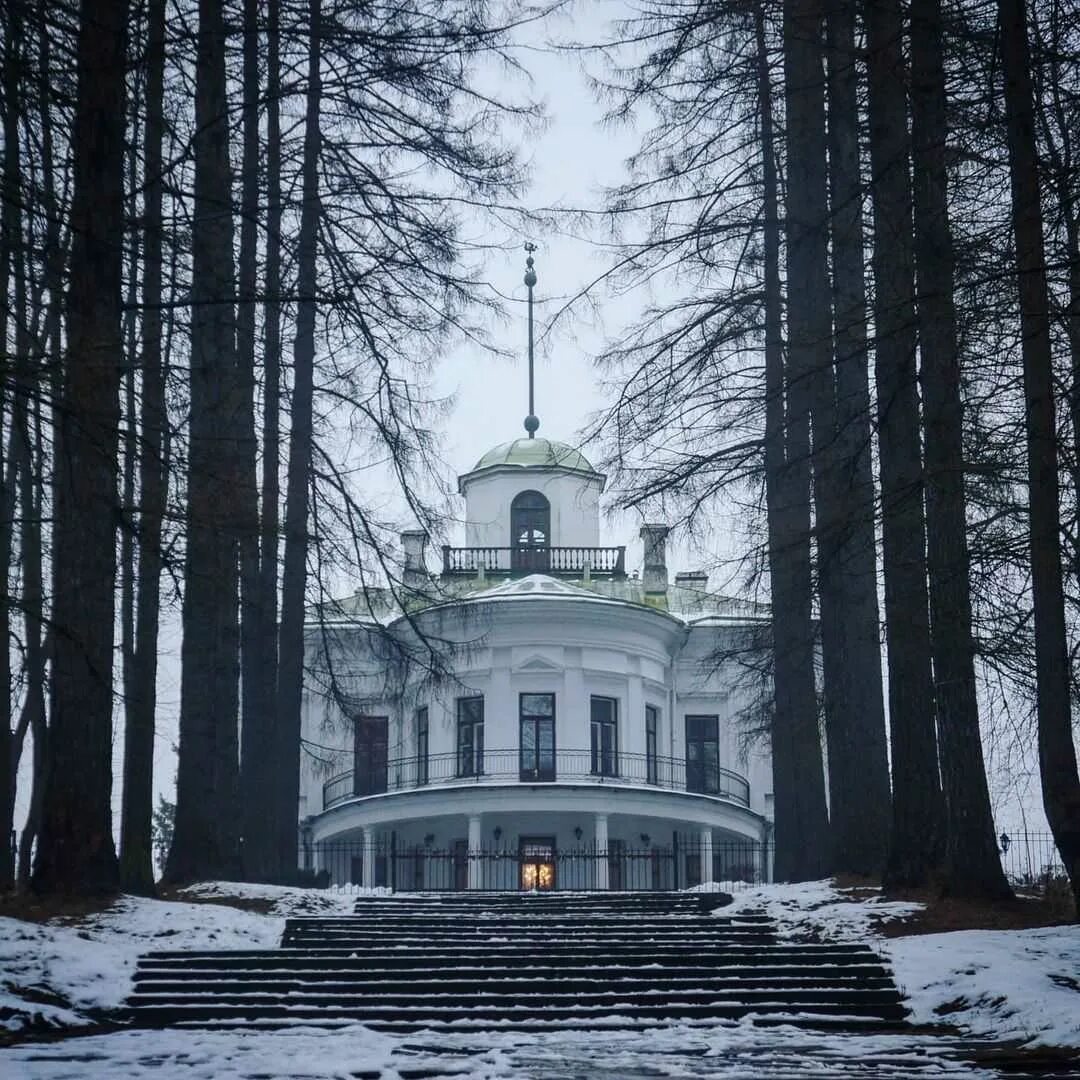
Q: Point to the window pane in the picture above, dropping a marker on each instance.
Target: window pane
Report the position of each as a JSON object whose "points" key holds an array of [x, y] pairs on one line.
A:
{"points": [[603, 709], [471, 708], [537, 704]]}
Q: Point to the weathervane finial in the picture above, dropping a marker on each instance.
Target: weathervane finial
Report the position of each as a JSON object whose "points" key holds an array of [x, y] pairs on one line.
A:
{"points": [[532, 421]]}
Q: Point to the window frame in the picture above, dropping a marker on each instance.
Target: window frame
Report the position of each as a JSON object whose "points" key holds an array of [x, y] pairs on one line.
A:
{"points": [[540, 775], [652, 743], [598, 759], [470, 762], [421, 732], [707, 774]]}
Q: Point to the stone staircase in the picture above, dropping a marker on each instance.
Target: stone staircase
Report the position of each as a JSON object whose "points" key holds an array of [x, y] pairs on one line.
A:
{"points": [[471, 961]]}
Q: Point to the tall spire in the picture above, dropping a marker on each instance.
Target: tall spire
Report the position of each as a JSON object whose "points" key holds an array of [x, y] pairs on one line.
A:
{"points": [[532, 421]]}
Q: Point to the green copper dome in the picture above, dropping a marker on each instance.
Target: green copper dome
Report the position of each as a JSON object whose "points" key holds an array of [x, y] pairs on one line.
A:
{"points": [[537, 453]]}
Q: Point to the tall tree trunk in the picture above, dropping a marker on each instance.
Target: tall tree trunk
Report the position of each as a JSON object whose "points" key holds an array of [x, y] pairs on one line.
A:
{"points": [[1057, 752], [10, 245], [971, 865], [915, 837], [294, 582], [75, 851], [256, 750], [798, 778], [859, 801], [271, 462], [136, 849], [206, 836]]}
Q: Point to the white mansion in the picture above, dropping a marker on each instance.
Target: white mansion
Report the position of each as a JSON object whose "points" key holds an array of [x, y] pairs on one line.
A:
{"points": [[586, 733]]}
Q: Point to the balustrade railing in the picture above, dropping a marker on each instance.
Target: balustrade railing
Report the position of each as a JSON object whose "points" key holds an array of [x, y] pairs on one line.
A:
{"points": [[500, 766], [525, 559]]}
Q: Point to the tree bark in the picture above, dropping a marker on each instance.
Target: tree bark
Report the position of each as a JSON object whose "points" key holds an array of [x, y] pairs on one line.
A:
{"points": [[206, 837], [1057, 752], [971, 864], [256, 704], [294, 581], [859, 800], [136, 848], [915, 836], [75, 850], [798, 777]]}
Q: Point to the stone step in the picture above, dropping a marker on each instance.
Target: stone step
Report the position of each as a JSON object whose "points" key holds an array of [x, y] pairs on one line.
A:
{"points": [[498, 1013], [543, 996], [288, 983]]}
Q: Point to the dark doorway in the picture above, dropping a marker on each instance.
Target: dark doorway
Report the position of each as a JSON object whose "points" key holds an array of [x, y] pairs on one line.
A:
{"points": [[369, 755]]}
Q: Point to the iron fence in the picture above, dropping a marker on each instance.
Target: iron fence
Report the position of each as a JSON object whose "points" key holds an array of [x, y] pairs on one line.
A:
{"points": [[585, 868], [1030, 859]]}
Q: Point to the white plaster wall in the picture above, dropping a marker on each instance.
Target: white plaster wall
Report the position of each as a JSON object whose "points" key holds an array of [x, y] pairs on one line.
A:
{"points": [[574, 499]]}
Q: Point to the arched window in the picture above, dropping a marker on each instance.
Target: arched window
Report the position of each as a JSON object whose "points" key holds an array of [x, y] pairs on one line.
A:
{"points": [[530, 532]]}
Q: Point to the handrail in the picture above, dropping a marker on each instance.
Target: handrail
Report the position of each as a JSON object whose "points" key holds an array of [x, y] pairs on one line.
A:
{"points": [[527, 559], [496, 766]]}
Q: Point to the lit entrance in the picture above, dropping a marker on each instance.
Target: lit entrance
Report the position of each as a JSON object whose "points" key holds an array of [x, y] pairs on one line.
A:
{"points": [[537, 860]]}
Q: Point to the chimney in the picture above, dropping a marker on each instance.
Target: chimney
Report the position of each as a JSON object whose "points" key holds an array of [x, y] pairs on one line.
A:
{"points": [[414, 544], [654, 570]]}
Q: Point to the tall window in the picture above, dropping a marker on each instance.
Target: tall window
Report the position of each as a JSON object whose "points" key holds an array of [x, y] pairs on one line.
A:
{"points": [[470, 736], [369, 755], [702, 755], [604, 731], [530, 531], [537, 713], [652, 717], [421, 721]]}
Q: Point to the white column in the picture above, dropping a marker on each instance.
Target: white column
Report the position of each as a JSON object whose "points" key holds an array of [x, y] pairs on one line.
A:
{"points": [[706, 857], [475, 866], [600, 844], [369, 856]]}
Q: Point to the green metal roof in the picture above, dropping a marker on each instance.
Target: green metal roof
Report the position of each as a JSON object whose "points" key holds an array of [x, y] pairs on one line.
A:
{"points": [[537, 453]]}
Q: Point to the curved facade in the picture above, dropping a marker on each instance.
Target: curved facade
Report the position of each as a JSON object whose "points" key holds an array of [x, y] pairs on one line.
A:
{"points": [[584, 734]]}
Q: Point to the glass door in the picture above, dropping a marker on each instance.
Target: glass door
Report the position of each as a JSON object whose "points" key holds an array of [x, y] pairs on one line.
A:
{"points": [[369, 755], [702, 755], [537, 861], [537, 719]]}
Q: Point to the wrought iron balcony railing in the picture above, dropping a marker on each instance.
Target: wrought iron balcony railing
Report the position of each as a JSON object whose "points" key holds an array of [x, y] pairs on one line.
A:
{"points": [[501, 766], [515, 561]]}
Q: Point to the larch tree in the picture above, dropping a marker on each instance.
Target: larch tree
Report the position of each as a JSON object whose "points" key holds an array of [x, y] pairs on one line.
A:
{"points": [[75, 851], [1057, 751], [206, 839]]}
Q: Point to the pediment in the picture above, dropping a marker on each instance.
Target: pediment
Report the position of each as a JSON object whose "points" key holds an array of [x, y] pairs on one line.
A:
{"points": [[536, 662]]}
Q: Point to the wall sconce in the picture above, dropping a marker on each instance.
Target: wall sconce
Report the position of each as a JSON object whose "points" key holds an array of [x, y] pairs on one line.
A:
{"points": [[645, 839], [429, 839], [498, 834]]}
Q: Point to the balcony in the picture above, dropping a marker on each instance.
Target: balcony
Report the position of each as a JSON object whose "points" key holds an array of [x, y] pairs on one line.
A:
{"points": [[575, 562], [507, 766]]}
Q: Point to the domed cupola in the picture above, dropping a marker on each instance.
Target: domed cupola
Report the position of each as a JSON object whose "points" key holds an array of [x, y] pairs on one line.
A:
{"points": [[532, 494]]}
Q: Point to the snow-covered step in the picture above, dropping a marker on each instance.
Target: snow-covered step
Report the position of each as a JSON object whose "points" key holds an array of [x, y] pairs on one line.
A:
{"points": [[523, 960]]}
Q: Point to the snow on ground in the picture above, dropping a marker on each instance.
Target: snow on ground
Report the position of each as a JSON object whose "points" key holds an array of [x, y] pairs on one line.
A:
{"points": [[729, 1051], [817, 909], [1004, 984], [1021, 984], [55, 973]]}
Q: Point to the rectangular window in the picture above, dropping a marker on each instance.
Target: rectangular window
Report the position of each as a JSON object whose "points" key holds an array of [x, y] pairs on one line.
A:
{"points": [[369, 755], [421, 746], [604, 736], [537, 716], [652, 718], [703, 754], [470, 736]]}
